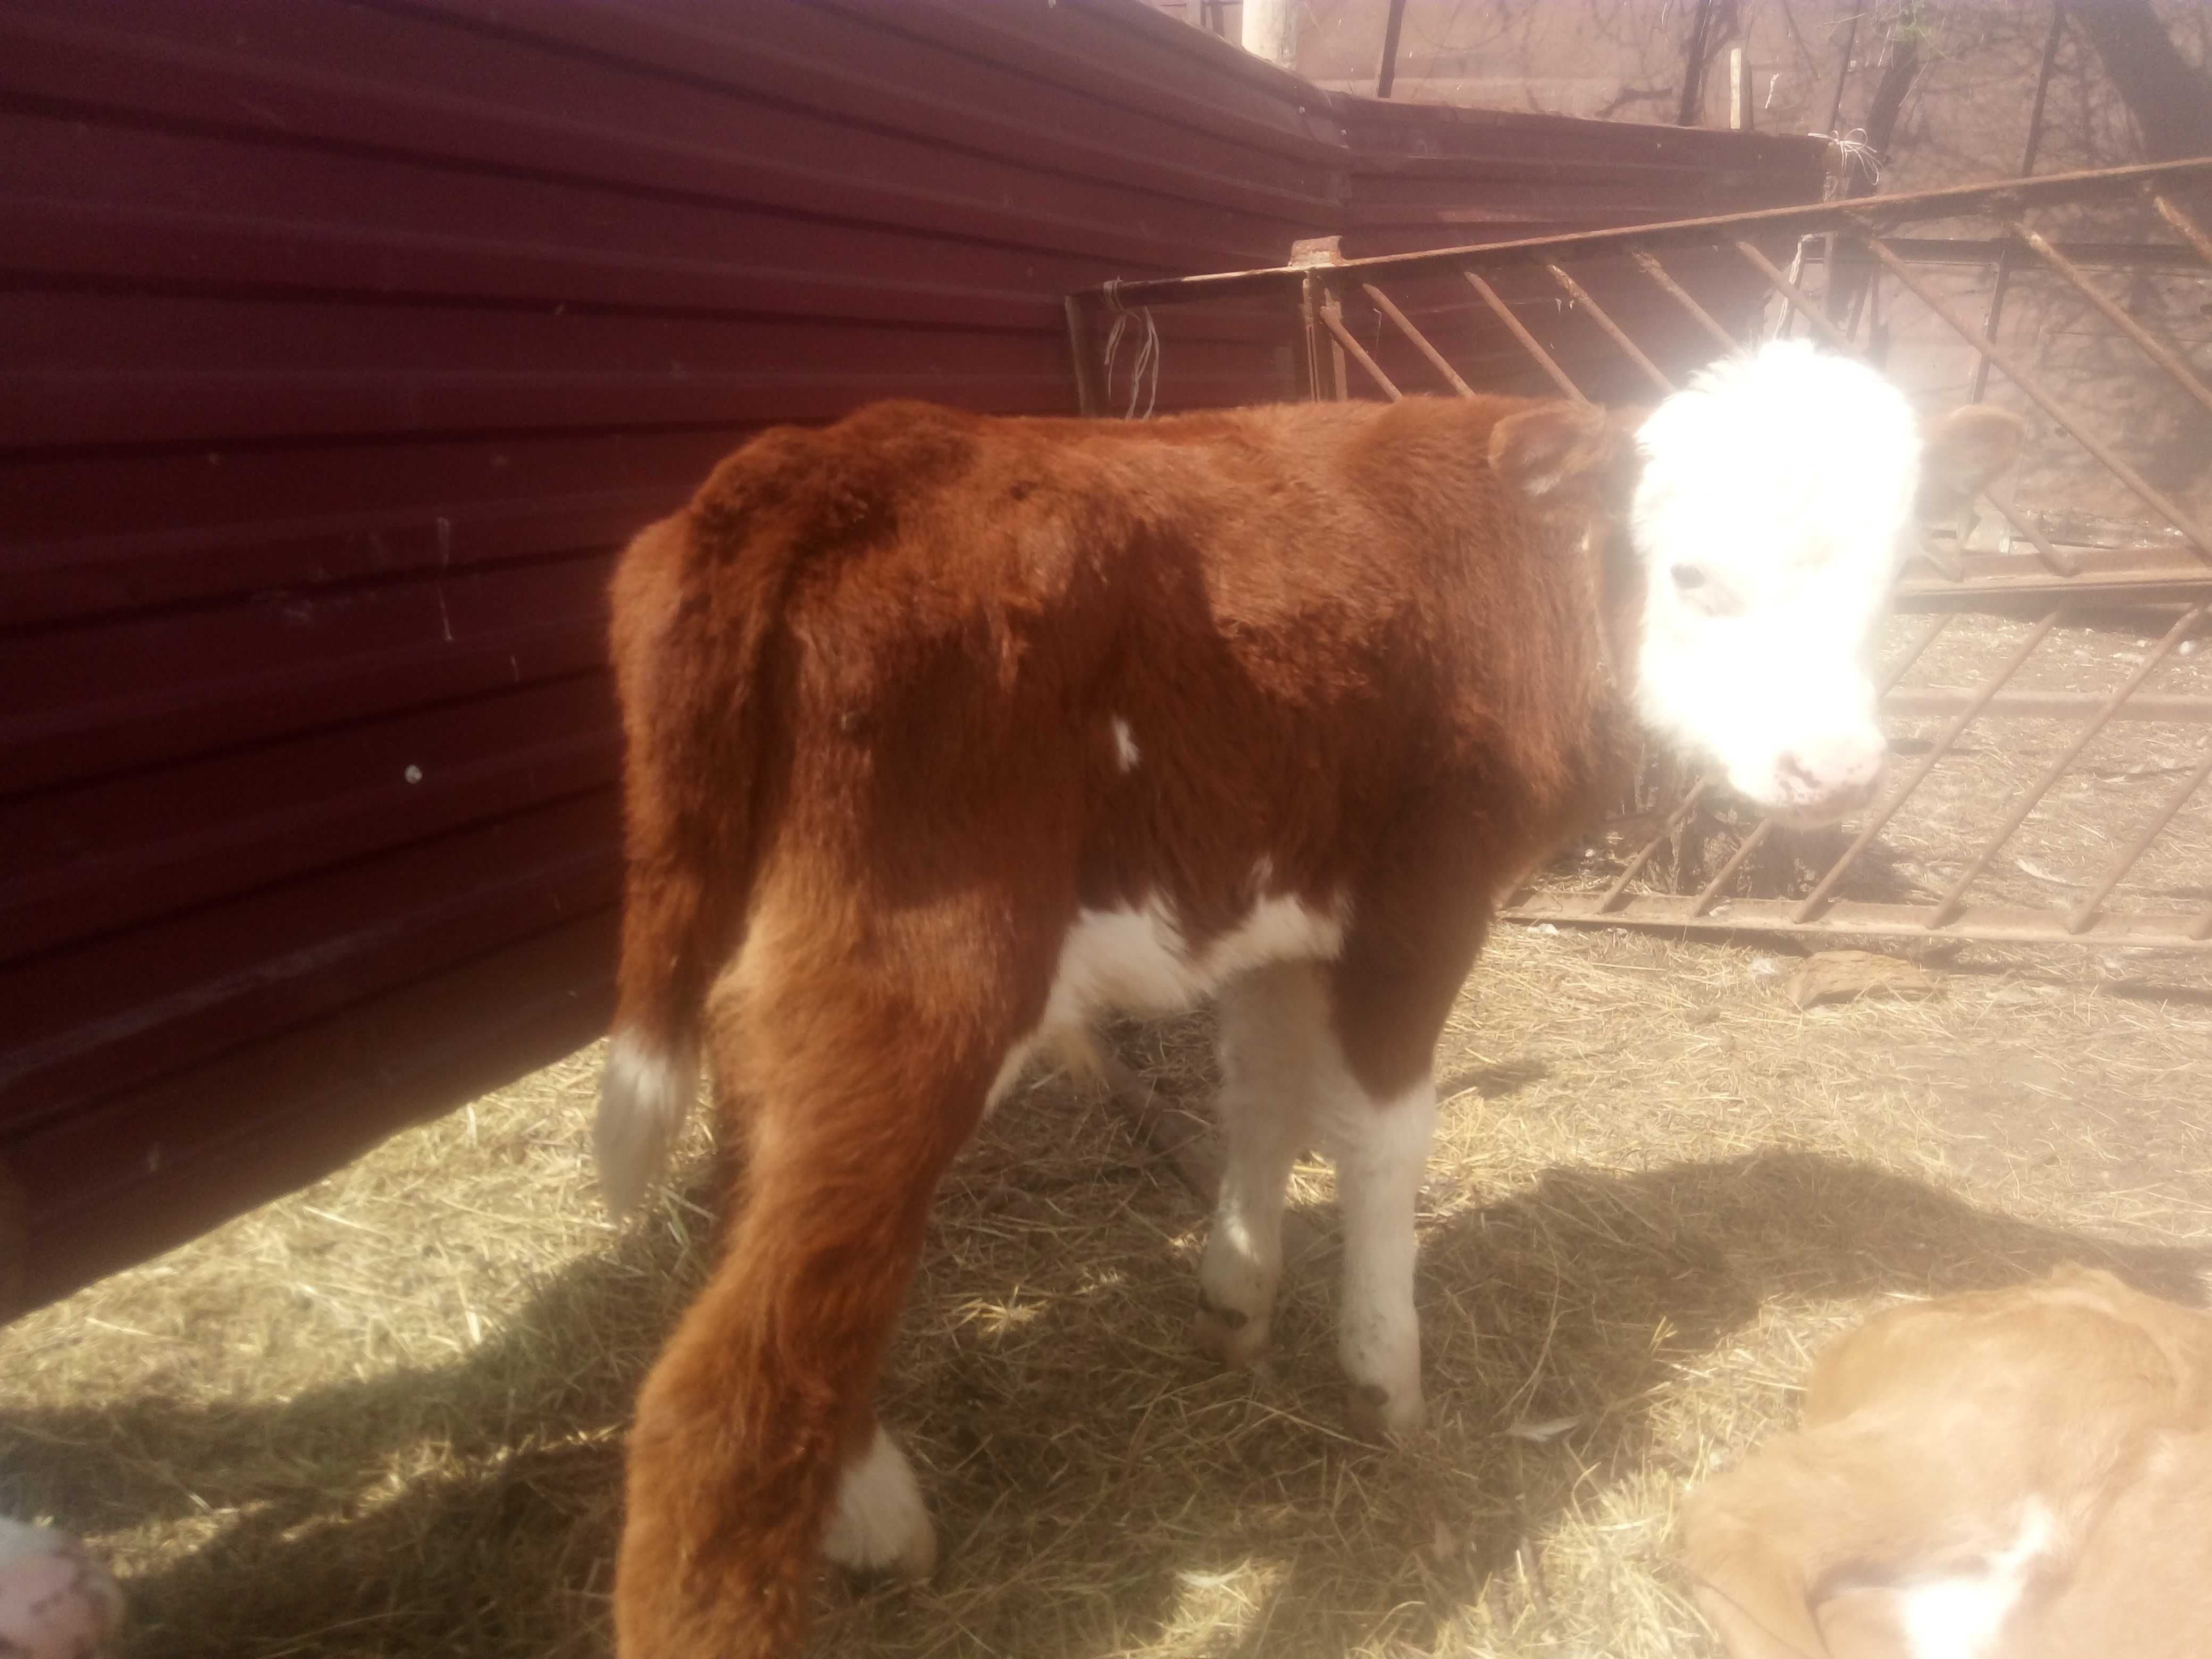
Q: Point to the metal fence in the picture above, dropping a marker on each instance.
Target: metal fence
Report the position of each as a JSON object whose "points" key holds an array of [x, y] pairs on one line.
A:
{"points": [[1610, 315]]}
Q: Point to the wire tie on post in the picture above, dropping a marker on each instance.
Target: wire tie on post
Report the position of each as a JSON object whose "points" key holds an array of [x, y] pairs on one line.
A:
{"points": [[1144, 370]]}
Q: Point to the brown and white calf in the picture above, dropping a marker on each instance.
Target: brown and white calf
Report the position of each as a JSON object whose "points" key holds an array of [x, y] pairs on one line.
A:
{"points": [[2016, 1475], [947, 732]]}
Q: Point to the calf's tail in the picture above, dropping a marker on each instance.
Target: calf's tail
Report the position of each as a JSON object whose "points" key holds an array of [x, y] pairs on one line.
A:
{"points": [[686, 655]]}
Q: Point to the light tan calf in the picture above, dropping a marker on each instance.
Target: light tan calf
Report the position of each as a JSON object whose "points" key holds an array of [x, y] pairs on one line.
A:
{"points": [[2021, 1474]]}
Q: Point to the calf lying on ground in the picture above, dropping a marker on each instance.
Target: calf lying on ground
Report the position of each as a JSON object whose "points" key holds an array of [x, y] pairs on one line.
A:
{"points": [[2022, 1474], [947, 732]]}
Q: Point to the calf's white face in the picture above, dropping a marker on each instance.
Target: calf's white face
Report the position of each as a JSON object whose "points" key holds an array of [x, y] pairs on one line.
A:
{"points": [[1776, 492]]}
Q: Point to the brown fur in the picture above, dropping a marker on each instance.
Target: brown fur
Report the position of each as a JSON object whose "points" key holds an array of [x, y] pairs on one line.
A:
{"points": [[1928, 1431], [868, 679]]}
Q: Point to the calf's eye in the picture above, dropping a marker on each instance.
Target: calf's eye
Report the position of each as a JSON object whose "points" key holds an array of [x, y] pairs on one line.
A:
{"points": [[1687, 576]]}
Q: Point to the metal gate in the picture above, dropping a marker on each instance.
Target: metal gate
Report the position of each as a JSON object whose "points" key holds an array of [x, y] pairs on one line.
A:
{"points": [[1610, 315]]}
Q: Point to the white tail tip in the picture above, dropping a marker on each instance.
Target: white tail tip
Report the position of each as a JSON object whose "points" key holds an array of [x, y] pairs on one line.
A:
{"points": [[644, 1095]]}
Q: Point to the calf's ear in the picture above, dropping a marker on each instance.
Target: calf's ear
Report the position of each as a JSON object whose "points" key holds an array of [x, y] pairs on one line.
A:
{"points": [[1565, 455], [1961, 453]]}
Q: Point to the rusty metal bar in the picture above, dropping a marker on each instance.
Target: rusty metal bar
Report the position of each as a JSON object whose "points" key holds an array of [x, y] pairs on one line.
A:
{"points": [[1985, 250], [1382, 303], [1334, 324], [1916, 649], [1948, 905], [2027, 382], [1328, 308], [2002, 924], [1650, 265], [2085, 912], [1926, 700], [1959, 722], [1529, 342], [1766, 826], [1991, 317], [1581, 297], [2022, 525], [1804, 303], [1675, 821], [2063, 563], [2113, 313], [2147, 585], [1810, 216], [2188, 229], [1750, 844]]}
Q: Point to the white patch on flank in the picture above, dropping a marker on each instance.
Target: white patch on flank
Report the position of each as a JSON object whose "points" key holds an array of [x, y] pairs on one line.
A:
{"points": [[1138, 962], [644, 1097], [882, 1525], [1771, 516], [1962, 1617], [1125, 745]]}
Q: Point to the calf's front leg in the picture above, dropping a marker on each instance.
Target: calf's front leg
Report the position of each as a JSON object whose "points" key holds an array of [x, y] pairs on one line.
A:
{"points": [[1380, 1148]]}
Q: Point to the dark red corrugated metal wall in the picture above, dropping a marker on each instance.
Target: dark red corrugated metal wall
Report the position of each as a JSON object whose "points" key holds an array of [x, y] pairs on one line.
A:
{"points": [[342, 344]]}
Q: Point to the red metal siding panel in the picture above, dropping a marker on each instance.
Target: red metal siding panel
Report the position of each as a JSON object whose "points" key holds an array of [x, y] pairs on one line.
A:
{"points": [[344, 343]]}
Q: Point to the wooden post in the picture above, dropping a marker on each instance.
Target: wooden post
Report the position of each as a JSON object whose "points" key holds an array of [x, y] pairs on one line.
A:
{"points": [[1271, 31], [1387, 76], [1739, 90], [1333, 308], [1089, 397], [1316, 299], [1693, 65]]}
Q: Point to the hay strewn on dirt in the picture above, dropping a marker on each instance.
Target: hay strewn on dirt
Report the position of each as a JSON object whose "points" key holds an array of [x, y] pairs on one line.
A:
{"points": [[384, 1416]]}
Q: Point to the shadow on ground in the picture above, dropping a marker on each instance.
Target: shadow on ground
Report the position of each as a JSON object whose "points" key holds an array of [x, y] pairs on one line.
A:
{"points": [[1087, 1471]]}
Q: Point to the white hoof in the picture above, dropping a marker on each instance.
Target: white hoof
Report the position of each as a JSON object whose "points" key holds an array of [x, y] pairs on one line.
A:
{"points": [[882, 1524], [1376, 1413], [1229, 1336]]}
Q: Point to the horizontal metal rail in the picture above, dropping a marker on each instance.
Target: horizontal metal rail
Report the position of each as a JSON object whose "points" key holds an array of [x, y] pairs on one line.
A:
{"points": [[1952, 202], [1994, 923], [1924, 700]]}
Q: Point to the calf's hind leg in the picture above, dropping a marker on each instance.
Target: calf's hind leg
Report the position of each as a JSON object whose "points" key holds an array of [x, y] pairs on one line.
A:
{"points": [[1274, 1023], [761, 1407]]}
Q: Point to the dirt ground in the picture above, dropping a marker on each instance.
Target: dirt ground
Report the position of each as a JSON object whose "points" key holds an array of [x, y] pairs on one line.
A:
{"points": [[384, 1416]]}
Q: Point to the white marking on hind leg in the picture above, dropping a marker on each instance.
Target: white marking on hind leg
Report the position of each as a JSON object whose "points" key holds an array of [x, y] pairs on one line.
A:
{"points": [[1380, 1148], [645, 1094], [1269, 1021], [882, 1524]]}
